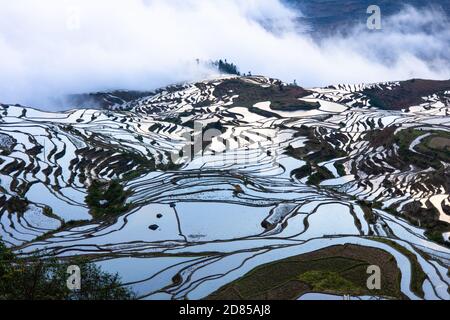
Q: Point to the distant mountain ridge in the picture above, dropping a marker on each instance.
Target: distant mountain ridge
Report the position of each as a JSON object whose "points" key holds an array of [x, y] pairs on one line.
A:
{"points": [[402, 94], [104, 100], [329, 15]]}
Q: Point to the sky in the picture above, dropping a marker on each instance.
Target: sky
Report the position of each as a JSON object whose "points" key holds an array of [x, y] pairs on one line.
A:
{"points": [[50, 48]]}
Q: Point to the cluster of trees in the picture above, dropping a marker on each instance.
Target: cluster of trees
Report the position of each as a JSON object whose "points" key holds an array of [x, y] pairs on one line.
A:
{"points": [[223, 66], [33, 278], [107, 198], [226, 67], [230, 68]]}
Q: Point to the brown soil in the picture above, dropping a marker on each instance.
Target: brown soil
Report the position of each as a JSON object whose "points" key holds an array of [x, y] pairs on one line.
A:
{"points": [[280, 279], [408, 94]]}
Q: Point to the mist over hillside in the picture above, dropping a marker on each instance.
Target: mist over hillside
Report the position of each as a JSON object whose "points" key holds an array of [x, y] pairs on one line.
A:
{"points": [[58, 48]]}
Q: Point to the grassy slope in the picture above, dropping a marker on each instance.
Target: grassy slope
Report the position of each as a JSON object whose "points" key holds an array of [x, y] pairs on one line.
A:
{"points": [[336, 270]]}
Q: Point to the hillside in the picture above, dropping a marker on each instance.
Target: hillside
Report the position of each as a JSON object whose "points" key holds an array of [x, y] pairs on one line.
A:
{"points": [[185, 190]]}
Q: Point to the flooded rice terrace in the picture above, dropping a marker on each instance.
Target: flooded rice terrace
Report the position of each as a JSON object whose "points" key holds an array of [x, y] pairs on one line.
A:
{"points": [[219, 183]]}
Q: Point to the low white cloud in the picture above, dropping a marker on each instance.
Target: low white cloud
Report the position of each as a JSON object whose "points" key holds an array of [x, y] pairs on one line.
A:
{"points": [[50, 48]]}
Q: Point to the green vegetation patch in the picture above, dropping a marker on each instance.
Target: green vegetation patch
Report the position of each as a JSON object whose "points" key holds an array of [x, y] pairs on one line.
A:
{"points": [[334, 270], [340, 169], [437, 145], [320, 175], [404, 138], [424, 158], [107, 199], [46, 279], [323, 281]]}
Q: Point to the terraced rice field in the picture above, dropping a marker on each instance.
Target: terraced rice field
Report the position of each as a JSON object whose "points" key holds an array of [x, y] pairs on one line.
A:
{"points": [[216, 184]]}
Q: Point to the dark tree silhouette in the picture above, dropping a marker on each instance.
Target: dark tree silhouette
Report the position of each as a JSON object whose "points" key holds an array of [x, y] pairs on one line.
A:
{"points": [[35, 278], [226, 67]]}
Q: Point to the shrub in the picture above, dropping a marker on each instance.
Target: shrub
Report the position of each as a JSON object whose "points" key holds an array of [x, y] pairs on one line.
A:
{"points": [[107, 198], [46, 279]]}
